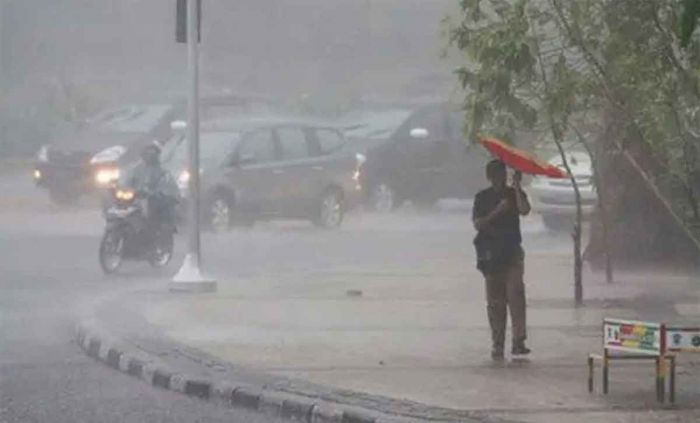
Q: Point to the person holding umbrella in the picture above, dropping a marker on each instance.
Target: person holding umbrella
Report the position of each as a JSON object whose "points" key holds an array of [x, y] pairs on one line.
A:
{"points": [[500, 256]]}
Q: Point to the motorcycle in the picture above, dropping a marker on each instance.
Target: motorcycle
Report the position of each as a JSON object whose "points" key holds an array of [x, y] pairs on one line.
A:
{"points": [[129, 235]]}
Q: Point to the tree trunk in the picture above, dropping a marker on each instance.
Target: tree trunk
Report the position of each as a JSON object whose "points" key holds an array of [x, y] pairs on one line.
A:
{"points": [[601, 208]]}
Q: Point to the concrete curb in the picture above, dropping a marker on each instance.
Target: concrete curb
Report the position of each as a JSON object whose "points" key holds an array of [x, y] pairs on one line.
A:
{"points": [[110, 351]]}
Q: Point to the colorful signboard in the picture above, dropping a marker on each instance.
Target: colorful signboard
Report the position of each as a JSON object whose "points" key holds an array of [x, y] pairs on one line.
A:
{"points": [[633, 337], [683, 339]]}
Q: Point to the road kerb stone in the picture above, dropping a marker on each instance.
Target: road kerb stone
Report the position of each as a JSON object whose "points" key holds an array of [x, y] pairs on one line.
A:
{"points": [[148, 370], [161, 378], [322, 413], [352, 417], [124, 361], [246, 398], [178, 383], [271, 404], [103, 352], [93, 347], [198, 388], [222, 393], [136, 368], [297, 410], [114, 357]]}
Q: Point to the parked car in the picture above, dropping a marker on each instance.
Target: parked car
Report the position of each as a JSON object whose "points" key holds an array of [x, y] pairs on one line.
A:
{"points": [[271, 167], [418, 155], [84, 159], [555, 199]]}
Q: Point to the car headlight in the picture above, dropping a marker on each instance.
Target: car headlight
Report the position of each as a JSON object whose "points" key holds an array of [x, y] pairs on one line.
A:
{"points": [[106, 176], [37, 174], [43, 154], [357, 174], [183, 180]]}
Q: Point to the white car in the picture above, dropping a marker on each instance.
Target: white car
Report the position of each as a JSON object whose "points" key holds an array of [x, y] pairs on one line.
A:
{"points": [[554, 199]]}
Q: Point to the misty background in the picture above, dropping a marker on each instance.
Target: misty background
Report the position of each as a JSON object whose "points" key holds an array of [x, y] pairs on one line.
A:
{"points": [[64, 59]]}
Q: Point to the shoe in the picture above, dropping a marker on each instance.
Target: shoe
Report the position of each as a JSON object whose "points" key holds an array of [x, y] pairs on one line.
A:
{"points": [[520, 349], [497, 355]]}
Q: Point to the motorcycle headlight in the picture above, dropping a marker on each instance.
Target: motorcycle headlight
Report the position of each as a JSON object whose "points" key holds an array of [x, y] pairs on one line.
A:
{"points": [[43, 154], [106, 176]]}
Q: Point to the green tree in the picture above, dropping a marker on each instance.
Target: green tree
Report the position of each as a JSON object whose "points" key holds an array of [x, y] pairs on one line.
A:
{"points": [[688, 21], [520, 78], [616, 66]]}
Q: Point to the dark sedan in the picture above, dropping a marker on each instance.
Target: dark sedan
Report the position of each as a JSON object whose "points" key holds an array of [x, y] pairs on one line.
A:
{"points": [[81, 159], [420, 155], [86, 158]]}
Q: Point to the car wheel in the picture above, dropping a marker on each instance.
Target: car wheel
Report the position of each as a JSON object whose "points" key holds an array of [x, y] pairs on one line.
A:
{"points": [[331, 211], [557, 223], [383, 198], [63, 197], [220, 213]]}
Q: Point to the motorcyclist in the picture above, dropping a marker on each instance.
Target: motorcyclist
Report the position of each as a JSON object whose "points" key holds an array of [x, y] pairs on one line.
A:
{"points": [[149, 179]]}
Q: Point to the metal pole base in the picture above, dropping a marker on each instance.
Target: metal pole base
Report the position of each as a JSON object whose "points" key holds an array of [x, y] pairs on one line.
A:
{"points": [[190, 278]]}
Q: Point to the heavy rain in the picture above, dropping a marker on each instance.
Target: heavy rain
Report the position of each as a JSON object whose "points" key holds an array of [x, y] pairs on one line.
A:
{"points": [[349, 211]]}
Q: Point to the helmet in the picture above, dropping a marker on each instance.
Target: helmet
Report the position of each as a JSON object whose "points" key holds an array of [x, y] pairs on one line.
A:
{"points": [[154, 146], [151, 152]]}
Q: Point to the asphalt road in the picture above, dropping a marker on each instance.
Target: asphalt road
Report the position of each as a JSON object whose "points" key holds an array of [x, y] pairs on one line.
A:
{"points": [[48, 269]]}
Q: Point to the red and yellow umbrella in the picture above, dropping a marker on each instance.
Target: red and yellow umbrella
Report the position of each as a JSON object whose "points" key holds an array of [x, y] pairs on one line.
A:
{"points": [[520, 160]]}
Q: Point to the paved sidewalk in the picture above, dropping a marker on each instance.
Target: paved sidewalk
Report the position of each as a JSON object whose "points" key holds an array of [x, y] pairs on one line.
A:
{"points": [[420, 334], [384, 316]]}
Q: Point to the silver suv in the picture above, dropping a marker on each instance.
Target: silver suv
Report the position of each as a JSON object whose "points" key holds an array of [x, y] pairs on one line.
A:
{"points": [[267, 168]]}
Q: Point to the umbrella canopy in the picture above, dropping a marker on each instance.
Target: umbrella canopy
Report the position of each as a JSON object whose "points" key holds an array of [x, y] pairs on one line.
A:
{"points": [[520, 160]]}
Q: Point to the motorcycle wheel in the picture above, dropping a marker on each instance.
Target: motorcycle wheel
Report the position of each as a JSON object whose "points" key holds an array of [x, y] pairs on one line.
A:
{"points": [[111, 251], [162, 250]]}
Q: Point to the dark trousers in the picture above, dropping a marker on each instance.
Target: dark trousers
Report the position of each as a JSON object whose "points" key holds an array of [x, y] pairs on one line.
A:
{"points": [[505, 290]]}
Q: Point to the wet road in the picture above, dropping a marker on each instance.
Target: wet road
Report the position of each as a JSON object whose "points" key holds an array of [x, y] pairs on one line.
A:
{"points": [[48, 257], [48, 264]]}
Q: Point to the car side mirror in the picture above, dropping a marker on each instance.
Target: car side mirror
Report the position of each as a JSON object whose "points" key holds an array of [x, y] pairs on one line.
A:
{"points": [[242, 159], [419, 133], [178, 125]]}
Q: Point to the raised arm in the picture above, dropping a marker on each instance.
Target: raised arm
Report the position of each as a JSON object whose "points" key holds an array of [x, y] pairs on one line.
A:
{"points": [[521, 201]]}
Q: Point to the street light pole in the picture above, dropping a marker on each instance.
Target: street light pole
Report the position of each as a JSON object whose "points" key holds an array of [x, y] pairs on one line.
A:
{"points": [[190, 278]]}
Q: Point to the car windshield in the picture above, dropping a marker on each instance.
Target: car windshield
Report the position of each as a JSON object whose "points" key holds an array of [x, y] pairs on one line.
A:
{"points": [[130, 119], [171, 146], [214, 112], [214, 147], [374, 125]]}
